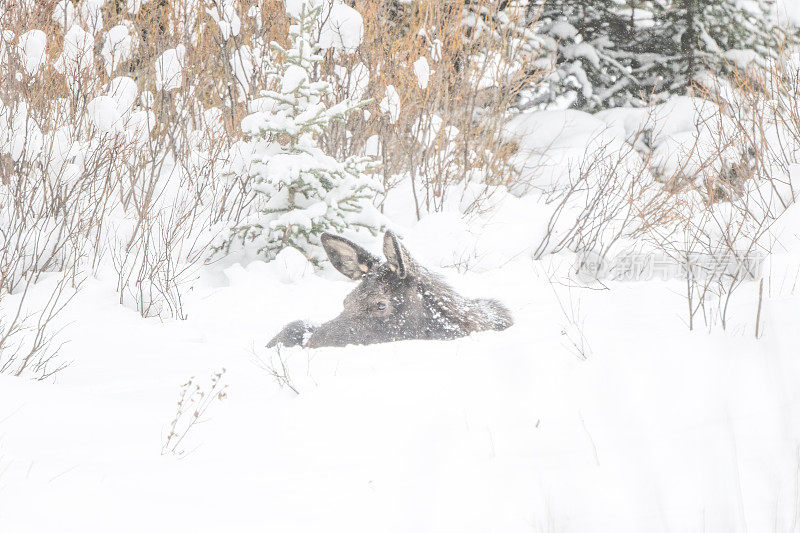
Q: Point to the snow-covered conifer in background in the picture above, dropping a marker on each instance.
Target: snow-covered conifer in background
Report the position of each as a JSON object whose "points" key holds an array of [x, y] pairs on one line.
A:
{"points": [[610, 53], [300, 191], [589, 43], [694, 37]]}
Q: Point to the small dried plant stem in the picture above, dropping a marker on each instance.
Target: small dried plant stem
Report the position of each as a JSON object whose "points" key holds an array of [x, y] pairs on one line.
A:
{"points": [[193, 403], [758, 311]]}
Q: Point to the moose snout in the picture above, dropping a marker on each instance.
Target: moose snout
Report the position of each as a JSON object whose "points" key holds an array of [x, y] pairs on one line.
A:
{"points": [[333, 333]]}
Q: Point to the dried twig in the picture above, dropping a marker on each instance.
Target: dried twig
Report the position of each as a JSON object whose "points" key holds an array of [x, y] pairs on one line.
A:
{"points": [[193, 403]]}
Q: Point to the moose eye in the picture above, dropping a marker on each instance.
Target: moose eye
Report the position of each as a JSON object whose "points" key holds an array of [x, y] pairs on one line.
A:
{"points": [[381, 306]]}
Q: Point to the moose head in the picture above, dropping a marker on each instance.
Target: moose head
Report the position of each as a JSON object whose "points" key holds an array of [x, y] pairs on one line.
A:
{"points": [[395, 299]]}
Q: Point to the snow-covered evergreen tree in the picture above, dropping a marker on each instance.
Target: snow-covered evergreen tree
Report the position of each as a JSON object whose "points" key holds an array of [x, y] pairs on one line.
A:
{"points": [[694, 37], [589, 42], [300, 191], [608, 53]]}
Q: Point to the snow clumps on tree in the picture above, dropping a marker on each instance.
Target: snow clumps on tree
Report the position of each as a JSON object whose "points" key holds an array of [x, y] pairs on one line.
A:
{"points": [[300, 192]]}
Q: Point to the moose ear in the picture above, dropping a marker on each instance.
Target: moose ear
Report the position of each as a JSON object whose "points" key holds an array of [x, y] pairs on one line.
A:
{"points": [[349, 258], [397, 256]]}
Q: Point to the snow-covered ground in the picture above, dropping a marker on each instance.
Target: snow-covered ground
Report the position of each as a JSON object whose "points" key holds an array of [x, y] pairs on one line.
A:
{"points": [[598, 410], [656, 429]]}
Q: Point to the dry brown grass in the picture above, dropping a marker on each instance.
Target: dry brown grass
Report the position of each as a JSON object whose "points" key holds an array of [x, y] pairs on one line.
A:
{"points": [[150, 208], [469, 145]]}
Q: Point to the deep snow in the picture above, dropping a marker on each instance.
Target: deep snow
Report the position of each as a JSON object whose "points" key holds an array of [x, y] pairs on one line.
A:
{"points": [[597, 411], [658, 429]]}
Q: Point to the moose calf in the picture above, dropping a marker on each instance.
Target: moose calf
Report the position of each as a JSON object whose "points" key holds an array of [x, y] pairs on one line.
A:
{"points": [[397, 299]]}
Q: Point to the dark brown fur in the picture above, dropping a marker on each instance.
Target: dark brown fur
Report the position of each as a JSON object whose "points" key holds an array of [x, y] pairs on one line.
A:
{"points": [[396, 300]]}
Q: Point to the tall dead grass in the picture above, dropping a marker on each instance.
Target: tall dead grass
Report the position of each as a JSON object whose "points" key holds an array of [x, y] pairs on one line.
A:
{"points": [[458, 68], [149, 200]]}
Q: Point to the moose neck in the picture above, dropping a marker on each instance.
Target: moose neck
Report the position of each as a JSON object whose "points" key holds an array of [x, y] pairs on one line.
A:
{"points": [[449, 314]]}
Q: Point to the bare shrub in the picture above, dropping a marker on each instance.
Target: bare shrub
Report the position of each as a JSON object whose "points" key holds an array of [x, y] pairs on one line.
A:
{"points": [[609, 193], [445, 134], [276, 368], [146, 190], [193, 403], [171, 198], [53, 206], [29, 345], [733, 187], [572, 327]]}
